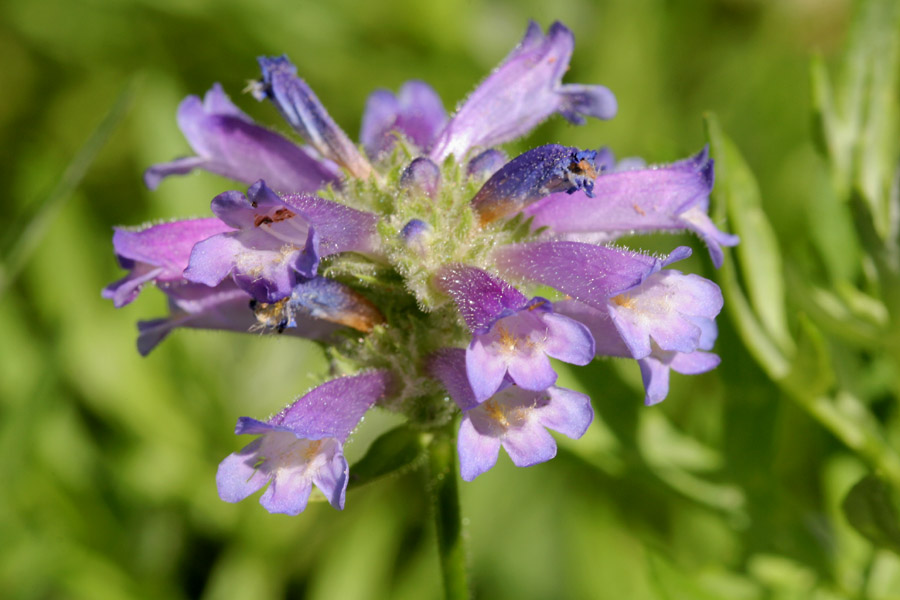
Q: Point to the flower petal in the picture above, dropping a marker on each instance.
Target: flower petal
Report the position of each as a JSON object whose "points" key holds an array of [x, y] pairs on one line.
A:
{"points": [[156, 253], [529, 445], [532, 176], [521, 93], [239, 475], [568, 412], [668, 198], [417, 112], [229, 143], [333, 409], [302, 110], [478, 452], [449, 366], [586, 272], [480, 297]]}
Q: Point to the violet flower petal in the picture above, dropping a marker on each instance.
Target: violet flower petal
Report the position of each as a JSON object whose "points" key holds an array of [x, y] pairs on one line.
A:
{"points": [[669, 198], [534, 175], [607, 339], [668, 307], [156, 253], [417, 112], [301, 446], [238, 477], [521, 93], [529, 444], [423, 175], [486, 370], [278, 241], [288, 493], [517, 418], [484, 165], [449, 366], [586, 272], [229, 143], [567, 339], [481, 297], [302, 110], [334, 408], [478, 453], [225, 307], [655, 375], [568, 412], [655, 370]]}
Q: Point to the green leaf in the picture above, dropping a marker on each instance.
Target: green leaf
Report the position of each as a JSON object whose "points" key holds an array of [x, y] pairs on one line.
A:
{"points": [[393, 452], [871, 511], [811, 371], [759, 315]]}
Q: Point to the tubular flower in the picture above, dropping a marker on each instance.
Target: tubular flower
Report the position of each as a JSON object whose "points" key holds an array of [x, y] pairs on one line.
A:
{"points": [[432, 266]]}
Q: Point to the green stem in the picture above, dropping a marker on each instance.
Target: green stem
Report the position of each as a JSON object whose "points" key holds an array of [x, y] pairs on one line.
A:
{"points": [[447, 519]]}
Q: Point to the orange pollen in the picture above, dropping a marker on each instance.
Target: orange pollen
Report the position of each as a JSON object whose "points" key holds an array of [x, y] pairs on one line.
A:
{"points": [[587, 169], [623, 300], [495, 412], [508, 340], [312, 449]]}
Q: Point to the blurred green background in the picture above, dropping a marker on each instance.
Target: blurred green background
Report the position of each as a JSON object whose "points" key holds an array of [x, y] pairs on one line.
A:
{"points": [[732, 488]]}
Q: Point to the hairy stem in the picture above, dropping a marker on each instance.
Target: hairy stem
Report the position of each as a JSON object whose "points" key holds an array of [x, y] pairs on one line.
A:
{"points": [[444, 490]]}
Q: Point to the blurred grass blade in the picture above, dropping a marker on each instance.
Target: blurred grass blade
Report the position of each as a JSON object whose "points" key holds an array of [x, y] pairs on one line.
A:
{"points": [[811, 373], [857, 116], [18, 250], [760, 315], [870, 510], [877, 147]]}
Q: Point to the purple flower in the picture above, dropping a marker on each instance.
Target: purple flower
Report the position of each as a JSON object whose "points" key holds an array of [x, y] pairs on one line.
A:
{"points": [[422, 175], [299, 106], [227, 142], [486, 164], [429, 265], [511, 335], [197, 306], [301, 446], [534, 175], [514, 418], [669, 198], [666, 322], [521, 93], [156, 253], [278, 240], [416, 112]]}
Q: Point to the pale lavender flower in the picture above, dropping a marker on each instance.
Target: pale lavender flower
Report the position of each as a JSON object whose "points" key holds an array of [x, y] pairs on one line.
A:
{"points": [[227, 142], [415, 112], [521, 93], [514, 418], [156, 253], [511, 335], [669, 198], [301, 446]]}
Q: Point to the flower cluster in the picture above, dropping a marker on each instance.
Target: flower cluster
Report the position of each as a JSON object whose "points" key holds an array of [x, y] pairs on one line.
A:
{"points": [[417, 257]]}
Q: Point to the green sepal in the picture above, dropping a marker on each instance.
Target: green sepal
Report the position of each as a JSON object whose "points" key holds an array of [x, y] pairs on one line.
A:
{"points": [[392, 453]]}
